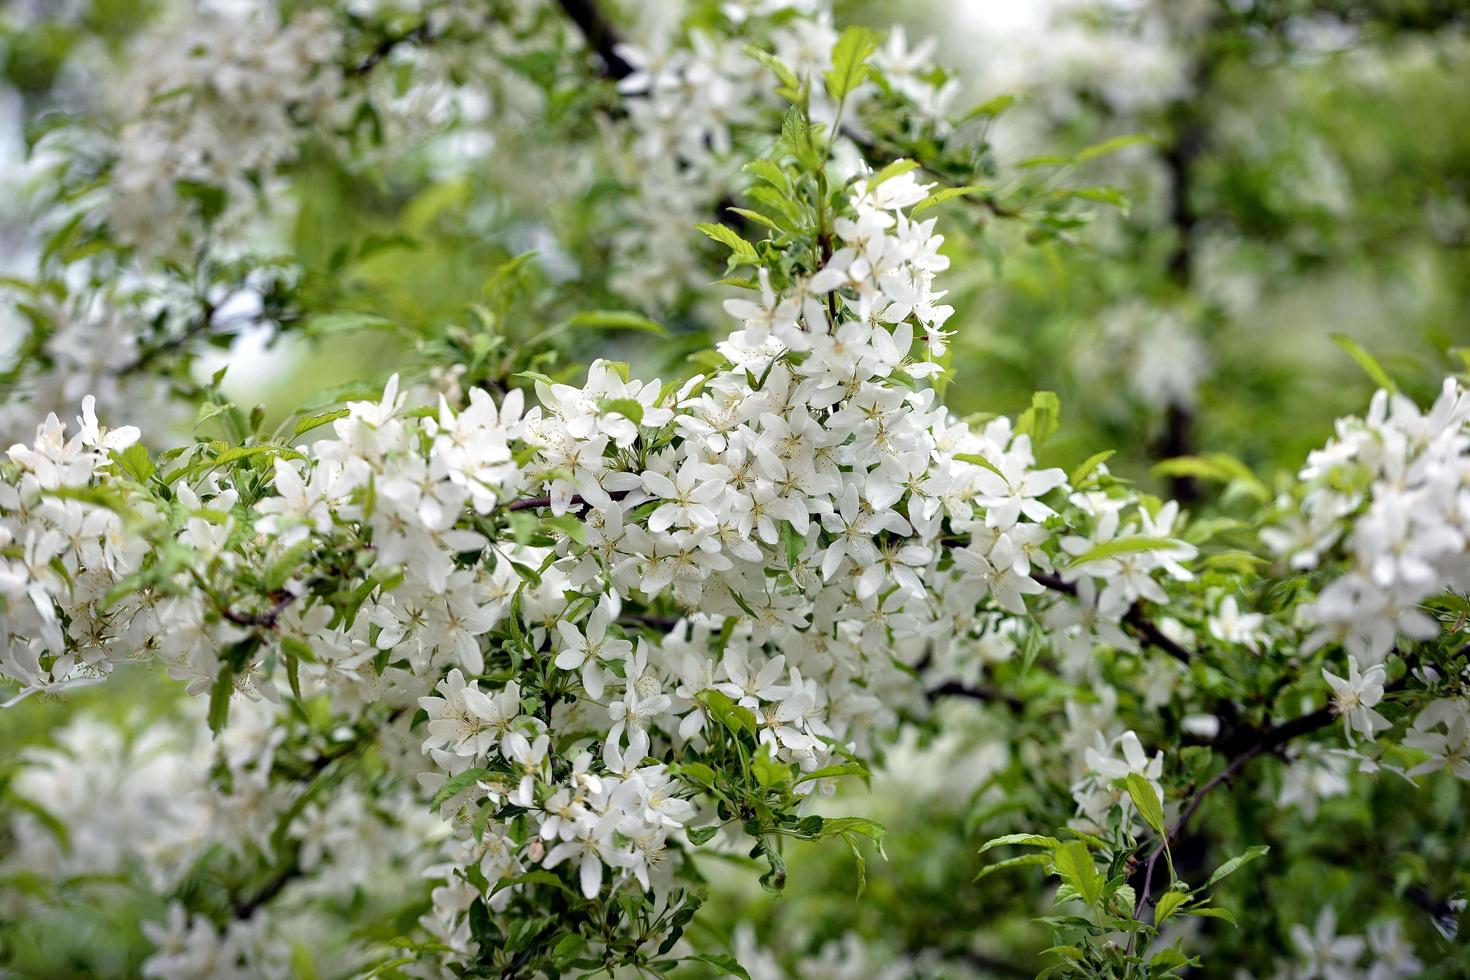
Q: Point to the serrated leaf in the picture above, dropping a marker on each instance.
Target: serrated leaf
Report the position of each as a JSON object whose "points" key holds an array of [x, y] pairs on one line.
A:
{"points": [[701, 835], [1366, 361], [219, 698], [1101, 195], [1090, 464], [1167, 904], [990, 107], [849, 61], [736, 718], [322, 418], [894, 169], [1214, 913], [741, 250], [1141, 792], [1237, 862], [1124, 546], [1025, 840], [1074, 864], [1024, 859], [1218, 468], [457, 784], [832, 772], [729, 964], [1112, 146], [135, 462], [616, 320], [629, 408], [938, 197], [345, 321], [1042, 419]]}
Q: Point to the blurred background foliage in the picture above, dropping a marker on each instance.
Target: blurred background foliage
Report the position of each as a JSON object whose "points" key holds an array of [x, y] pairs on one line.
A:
{"points": [[1302, 169]]}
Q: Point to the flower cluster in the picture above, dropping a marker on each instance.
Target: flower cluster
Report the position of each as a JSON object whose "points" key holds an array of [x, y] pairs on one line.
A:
{"points": [[695, 96], [1390, 495], [219, 100], [808, 519]]}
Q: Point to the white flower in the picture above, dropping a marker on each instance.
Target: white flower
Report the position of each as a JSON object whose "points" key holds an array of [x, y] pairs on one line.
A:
{"points": [[1324, 954], [1354, 697]]}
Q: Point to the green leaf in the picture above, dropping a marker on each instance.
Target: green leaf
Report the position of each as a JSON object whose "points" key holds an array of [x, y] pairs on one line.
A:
{"points": [[938, 197], [616, 320], [1112, 146], [1111, 196], [1124, 546], [729, 964], [1014, 862], [701, 835], [698, 773], [849, 61], [1042, 419], [779, 68], [1147, 802], [455, 785], [629, 408], [322, 418], [1074, 863], [894, 169], [1026, 840], [568, 949], [1214, 913], [1218, 468], [346, 321], [528, 574], [1366, 361], [1237, 862], [832, 772], [219, 697], [237, 453], [1168, 903], [1090, 464], [851, 830], [538, 877], [742, 251], [737, 718], [568, 525], [769, 773], [975, 459], [135, 462], [990, 107]]}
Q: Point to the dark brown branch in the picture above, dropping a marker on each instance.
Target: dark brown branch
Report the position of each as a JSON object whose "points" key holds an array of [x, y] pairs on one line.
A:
{"points": [[531, 503], [265, 619], [664, 624], [386, 47], [1141, 626], [207, 313], [983, 693], [1150, 633], [1245, 746], [600, 36]]}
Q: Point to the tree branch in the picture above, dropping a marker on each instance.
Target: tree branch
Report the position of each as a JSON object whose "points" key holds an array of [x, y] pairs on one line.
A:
{"points": [[576, 500], [599, 35], [265, 619], [983, 693], [1249, 745], [1142, 627], [386, 47]]}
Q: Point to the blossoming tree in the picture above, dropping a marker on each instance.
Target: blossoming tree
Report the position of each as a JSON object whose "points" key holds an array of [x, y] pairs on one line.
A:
{"points": [[486, 665]]}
